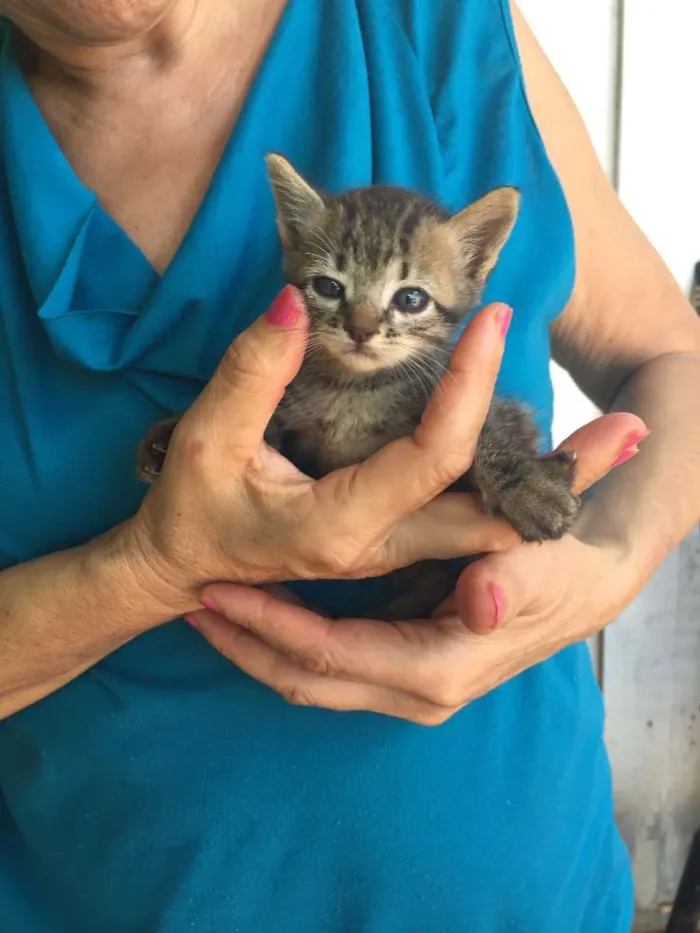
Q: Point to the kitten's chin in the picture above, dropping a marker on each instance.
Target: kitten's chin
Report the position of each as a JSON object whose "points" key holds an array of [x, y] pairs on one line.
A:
{"points": [[347, 358], [360, 362]]}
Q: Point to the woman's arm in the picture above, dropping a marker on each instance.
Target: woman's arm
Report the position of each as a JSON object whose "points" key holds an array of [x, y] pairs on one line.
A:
{"points": [[628, 337], [61, 614], [227, 507], [632, 342]]}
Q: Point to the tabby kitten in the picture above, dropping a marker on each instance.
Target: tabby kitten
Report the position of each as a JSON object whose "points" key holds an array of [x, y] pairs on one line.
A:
{"points": [[388, 277]]}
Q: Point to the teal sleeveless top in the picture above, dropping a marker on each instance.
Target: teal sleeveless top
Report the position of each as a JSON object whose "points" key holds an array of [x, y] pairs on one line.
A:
{"points": [[164, 791]]}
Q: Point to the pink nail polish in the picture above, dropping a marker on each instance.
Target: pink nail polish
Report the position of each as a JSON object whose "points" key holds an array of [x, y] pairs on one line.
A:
{"points": [[629, 447], [636, 437], [499, 602], [503, 317], [284, 310], [626, 454], [210, 603]]}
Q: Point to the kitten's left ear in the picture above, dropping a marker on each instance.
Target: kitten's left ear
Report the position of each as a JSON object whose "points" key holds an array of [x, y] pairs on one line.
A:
{"points": [[483, 229], [299, 205]]}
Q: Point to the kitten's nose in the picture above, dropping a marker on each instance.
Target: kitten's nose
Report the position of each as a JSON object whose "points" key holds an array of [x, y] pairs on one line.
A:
{"points": [[360, 333]]}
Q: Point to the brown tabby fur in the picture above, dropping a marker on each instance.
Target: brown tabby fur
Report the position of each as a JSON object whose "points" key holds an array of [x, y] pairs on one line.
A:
{"points": [[371, 366]]}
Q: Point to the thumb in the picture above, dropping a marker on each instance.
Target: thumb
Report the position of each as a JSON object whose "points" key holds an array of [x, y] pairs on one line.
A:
{"points": [[242, 395], [494, 590]]}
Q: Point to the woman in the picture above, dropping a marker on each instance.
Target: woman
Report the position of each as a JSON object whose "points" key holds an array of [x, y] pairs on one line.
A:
{"points": [[151, 779]]}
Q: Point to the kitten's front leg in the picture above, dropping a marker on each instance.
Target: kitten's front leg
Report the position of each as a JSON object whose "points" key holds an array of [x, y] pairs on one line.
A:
{"points": [[531, 491], [153, 448]]}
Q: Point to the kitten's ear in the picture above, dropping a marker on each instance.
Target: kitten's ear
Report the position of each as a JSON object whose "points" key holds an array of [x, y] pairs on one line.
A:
{"points": [[298, 204], [483, 229]]}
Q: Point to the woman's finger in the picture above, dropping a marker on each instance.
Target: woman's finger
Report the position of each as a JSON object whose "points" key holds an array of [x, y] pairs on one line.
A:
{"points": [[406, 656], [283, 593], [603, 444], [305, 688], [452, 525], [251, 379], [490, 593], [531, 585], [409, 472]]}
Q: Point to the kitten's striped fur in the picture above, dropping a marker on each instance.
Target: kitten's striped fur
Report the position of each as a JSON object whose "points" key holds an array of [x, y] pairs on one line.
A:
{"points": [[372, 363], [350, 399]]}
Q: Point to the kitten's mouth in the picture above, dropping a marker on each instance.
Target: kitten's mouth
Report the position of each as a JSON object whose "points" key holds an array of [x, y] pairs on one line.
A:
{"points": [[361, 350], [362, 360], [355, 357]]}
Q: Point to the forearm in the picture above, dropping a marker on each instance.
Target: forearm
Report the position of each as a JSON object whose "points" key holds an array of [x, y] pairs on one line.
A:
{"points": [[647, 506], [61, 614]]}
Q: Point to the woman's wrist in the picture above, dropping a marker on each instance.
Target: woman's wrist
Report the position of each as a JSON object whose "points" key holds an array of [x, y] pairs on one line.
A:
{"points": [[620, 517], [125, 561], [612, 566], [64, 612]]}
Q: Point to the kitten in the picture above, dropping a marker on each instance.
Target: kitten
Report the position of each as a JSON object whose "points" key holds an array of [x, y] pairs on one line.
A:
{"points": [[388, 277]]}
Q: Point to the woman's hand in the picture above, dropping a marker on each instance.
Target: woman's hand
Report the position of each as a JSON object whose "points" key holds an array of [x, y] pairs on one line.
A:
{"points": [[533, 599], [228, 507]]}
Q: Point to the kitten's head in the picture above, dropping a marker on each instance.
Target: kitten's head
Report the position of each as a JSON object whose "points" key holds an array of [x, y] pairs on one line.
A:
{"points": [[387, 275]]}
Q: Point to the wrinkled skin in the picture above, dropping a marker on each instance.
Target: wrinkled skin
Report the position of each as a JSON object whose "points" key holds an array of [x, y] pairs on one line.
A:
{"points": [[90, 21]]}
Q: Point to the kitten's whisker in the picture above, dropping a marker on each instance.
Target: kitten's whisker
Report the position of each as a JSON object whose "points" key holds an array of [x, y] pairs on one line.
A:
{"points": [[437, 368], [427, 358], [311, 340], [429, 370], [441, 373], [417, 373]]}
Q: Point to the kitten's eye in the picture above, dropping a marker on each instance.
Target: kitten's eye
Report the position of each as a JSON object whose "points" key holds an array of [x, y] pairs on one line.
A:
{"points": [[328, 288], [410, 299]]}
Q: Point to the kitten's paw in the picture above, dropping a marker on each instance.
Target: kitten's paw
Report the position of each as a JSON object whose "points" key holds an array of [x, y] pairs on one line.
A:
{"points": [[534, 495], [153, 449]]}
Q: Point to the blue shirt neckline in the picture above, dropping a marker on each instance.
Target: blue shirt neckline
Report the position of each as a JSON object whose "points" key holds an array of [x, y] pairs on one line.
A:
{"points": [[60, 222]]}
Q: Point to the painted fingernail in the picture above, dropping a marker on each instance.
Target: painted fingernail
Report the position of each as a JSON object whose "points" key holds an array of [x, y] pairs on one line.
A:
{"points": [[627, 454], [504, 316], [284, 310], [630, 447], [636, 437], [212, 604], [499, 602], [191, 620]]}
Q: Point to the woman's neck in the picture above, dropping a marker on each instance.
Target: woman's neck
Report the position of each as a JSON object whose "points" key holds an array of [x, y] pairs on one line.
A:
{"points": [[144, 120], [123, 45]]}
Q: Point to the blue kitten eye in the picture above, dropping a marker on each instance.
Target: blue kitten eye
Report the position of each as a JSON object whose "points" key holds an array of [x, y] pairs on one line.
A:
{"points": [[410, 299], [327, 288]]}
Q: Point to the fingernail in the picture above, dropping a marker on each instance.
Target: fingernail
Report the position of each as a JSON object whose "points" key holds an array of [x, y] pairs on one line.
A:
{"points": [[627, 454], [499, 602], [636, 437], [629, 447], [504, 316], [191, 620], [284, 310], [212, 604]]}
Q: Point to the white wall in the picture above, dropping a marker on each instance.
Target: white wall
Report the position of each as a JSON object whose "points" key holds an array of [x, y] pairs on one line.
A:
{"points": [[638, 89], [580, 37], [652, 655]]}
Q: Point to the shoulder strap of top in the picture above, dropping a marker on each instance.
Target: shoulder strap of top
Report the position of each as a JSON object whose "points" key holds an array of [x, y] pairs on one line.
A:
{"points": [[469, 63]]}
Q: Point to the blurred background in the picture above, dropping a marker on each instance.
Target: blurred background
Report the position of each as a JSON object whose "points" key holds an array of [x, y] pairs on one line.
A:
{"points": [[632, 68]]}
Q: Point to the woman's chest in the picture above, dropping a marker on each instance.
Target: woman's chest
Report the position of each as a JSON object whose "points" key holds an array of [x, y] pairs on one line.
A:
{"points": [[149, 154], [148, 173]]}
